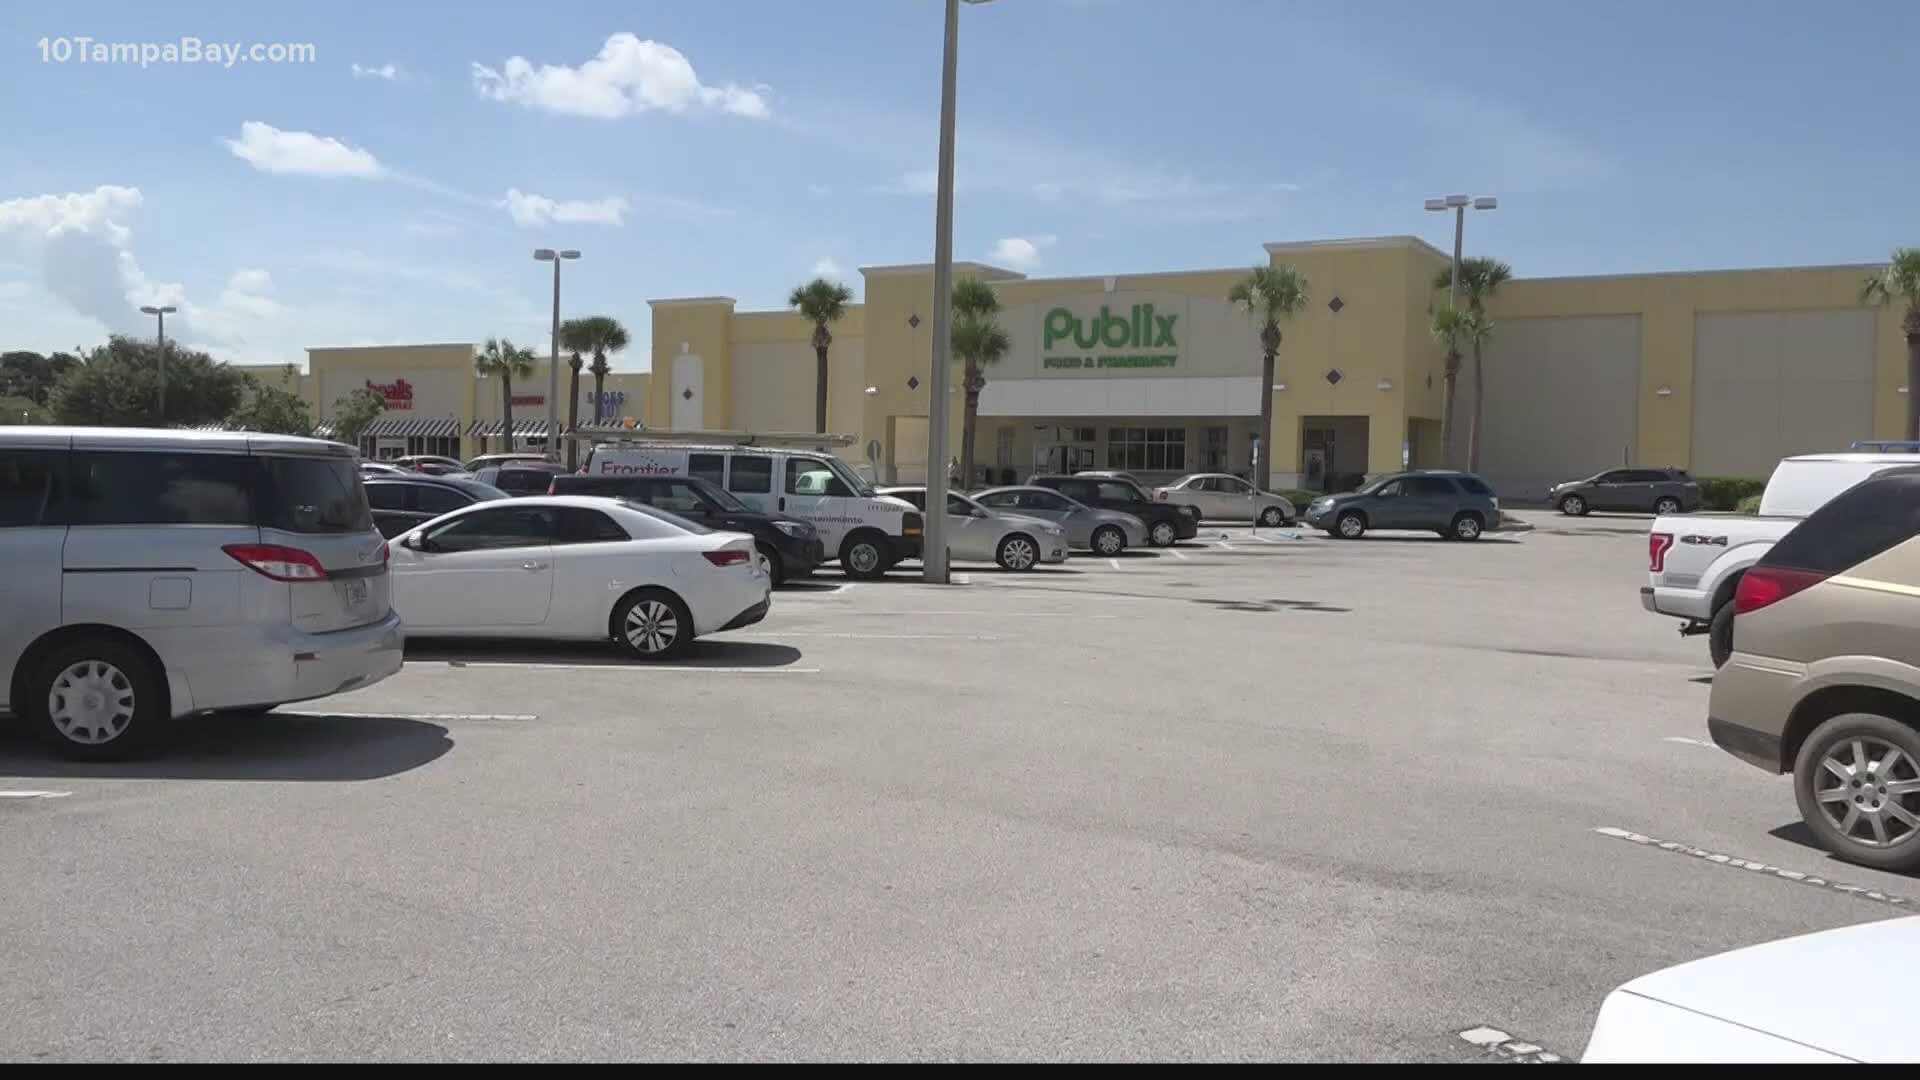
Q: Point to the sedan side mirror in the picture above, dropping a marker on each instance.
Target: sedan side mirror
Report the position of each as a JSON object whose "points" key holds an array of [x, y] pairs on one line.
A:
{"points": [[413, 541], [978, 512]]}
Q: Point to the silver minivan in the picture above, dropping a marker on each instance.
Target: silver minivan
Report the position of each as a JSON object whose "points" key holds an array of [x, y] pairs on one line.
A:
{"points": [[146, 575]]}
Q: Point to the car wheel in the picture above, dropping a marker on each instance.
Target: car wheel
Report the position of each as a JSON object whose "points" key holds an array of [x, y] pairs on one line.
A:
{"points": [[864, 556], [1017, 552], [96, 699], [1465, 527], [1720, 635], [776, 571], [1857, 780], [1666, 505], [1163, 534], [1573, 506], [1109, 540], [1350, 526], [653, 624], [1272, 517]]}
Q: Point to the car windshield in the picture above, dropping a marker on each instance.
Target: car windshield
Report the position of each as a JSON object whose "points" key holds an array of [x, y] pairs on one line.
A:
{"points": [[719, 496], [1374, 485], [849, 477]]}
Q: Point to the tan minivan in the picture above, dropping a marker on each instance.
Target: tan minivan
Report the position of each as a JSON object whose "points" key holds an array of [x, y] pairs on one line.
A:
{"points": [[1824, 680]]}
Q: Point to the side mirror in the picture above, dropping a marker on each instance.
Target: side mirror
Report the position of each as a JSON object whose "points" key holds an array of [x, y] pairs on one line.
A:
{"points": [[978, 512], [413, 541]]}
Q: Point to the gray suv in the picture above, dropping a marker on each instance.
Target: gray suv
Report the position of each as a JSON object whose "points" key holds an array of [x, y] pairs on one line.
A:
{"points": [[1659, 491], [1457, 505], [146, 575]]}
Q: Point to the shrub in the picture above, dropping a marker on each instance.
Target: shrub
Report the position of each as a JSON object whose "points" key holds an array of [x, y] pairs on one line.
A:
{"points": [[1748, 505], [1725, 492]]}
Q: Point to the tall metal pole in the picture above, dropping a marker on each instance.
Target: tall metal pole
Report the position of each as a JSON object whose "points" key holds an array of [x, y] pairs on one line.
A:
{"points": [[933, 559], [162, 366], [1459, 231], [553, 370]]}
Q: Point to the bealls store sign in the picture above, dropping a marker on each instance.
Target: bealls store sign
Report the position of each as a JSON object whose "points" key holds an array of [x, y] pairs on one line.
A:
{"points": [[1147, 336]]}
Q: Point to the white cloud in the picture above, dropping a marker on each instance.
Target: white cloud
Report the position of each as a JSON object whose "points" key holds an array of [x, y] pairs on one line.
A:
{"points": [[389, 72], [271, 150], [828, 267], [1021, 252], [630, 75], [528, 209]]}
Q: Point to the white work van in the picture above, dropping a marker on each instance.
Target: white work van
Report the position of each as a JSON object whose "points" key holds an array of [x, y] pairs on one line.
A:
{"points": [[866, 531]]}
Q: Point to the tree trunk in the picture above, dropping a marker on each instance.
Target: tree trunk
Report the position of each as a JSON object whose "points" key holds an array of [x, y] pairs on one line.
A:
{"points": [[599, 396], [1473, 424], [1449, 378], [1913, 382], [968, 418], [820, 389], [573, 417], [1263, 478], [506, 413]]}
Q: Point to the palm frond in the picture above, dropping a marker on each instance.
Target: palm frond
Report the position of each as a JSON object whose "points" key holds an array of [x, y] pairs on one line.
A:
{"points": [[1899, 280], [821, 301], [979, 341], [974, 298], [1271, 294]]}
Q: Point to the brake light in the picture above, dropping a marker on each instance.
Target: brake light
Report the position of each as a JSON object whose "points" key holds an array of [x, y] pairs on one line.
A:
{"points": [[1764, 585], [553, 487], [727, 557], [279, 563], [1657, 545]]}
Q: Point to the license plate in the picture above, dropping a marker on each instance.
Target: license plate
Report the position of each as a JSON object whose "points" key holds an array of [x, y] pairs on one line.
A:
{"points": [[356, 593]]}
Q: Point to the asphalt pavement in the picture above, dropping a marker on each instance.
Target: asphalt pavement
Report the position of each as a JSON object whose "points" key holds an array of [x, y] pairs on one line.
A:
{"points": [[1265, 796]]}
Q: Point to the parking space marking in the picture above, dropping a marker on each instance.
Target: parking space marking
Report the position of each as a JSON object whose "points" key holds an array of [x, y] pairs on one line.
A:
{"points": [[1690, 742], [988, 614], [1115, 563], [1502, 1045], [1178, 554], [886, 637], [34, 794], [424, 716], [1757, 867], [622, 668]]}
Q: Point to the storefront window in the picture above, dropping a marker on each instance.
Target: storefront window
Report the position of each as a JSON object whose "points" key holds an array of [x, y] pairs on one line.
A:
{"points": [[1150, 449], [1214, 454]]}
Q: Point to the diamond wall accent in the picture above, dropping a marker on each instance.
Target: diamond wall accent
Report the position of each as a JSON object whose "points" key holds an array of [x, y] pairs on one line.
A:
{"points": [[1334, 305], [913, 382], [1334, 377], [687, 394], [913, 321]]}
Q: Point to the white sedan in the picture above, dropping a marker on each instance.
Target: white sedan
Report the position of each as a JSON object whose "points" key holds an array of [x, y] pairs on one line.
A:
{"points": [[976, 532], [576, 568], [1222, 497]]}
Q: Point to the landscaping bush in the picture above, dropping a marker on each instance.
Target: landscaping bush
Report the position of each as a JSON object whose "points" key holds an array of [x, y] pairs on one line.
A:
{"points": [[1298, 498], [1725, 492], [1748, 505]]}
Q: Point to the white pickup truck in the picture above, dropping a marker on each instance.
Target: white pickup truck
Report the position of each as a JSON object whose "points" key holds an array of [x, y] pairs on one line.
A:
{"points": [[1695, 561]]}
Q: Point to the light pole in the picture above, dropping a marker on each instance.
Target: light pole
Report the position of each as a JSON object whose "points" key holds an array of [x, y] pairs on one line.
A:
{"points": [[161, 314], [553, 361], [1458, 204], [933, 559]]}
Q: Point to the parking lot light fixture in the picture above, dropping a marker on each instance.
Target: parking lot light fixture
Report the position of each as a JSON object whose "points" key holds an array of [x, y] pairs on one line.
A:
{"points": [[160, 312], [553, 360], [1459, 204]]}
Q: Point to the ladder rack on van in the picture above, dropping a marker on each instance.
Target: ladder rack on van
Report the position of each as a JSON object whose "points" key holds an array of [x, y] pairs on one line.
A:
{"points": [[615, 436]]}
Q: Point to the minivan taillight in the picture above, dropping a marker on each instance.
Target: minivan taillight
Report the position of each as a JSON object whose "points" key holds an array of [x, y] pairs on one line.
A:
{"points": [[1657, 545], [728, 557], [278, 563], [553, 487], [1764, 585]]}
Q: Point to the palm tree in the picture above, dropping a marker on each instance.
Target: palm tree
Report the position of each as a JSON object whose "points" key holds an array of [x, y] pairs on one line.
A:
{"points": [[821, 302], [980, 343], [599, 335], [1272, 295], [1901, 281], [573, 338], [1480, 278], [1454, 327], [503, 359]]}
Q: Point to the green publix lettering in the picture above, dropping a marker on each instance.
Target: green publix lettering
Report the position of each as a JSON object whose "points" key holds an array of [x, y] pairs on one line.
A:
{"points": [[1140, 329]]}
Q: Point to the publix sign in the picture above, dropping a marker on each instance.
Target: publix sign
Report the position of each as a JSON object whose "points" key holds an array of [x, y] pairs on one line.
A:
{"points": [[1134, 337]]}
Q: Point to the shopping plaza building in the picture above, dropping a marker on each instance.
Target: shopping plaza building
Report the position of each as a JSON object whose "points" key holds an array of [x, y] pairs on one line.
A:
{"points": [[1722, 372]]}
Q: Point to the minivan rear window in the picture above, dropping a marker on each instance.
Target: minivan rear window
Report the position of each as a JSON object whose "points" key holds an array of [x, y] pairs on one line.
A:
{"points": [[1856, 525], [27, 485], [153, 487], [314, 495]]}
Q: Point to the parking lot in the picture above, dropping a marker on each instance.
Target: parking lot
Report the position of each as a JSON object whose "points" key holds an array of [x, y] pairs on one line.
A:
{"points": [[1257, 796]]}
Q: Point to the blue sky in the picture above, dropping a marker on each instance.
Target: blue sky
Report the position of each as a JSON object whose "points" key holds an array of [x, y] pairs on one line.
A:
{"points": [[392, 190]]}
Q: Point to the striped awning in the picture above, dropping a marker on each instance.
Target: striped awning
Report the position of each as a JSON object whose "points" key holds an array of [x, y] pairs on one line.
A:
{"points": [[414, 427], [523, 427], [323, 429]]}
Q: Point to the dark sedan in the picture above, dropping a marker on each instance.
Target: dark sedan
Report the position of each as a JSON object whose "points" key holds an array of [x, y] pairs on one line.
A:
{"points": [[521, 477], [791, 547], [1649, 491], [401, 501], [1166, 522]]}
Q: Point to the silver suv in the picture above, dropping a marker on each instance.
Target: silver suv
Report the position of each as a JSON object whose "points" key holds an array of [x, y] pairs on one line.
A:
{"points": [[146, 575]]}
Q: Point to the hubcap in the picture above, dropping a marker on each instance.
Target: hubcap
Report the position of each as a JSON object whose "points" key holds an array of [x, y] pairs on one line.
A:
{"points": [[1272, 516], [652, 626], [91, 702], [864, 557], [1109, 543], [1469, 528], [1163, 534], [1020, 554], [1574, 506], [1349, 526], [1866, 787], [1667, 506]]}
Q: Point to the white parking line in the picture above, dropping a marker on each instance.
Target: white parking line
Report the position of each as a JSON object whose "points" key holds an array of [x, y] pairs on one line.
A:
{"points": [[1115, 563], [886, 637], [1177, 553], [34, 794], [622, 668], [1690, 742], [1223, 544], [982, 614], [323, 715], [1679, 848]]}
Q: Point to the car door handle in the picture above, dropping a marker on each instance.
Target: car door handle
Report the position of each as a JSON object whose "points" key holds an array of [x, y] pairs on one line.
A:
{"points": [[783, 502], [533, 566]]}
